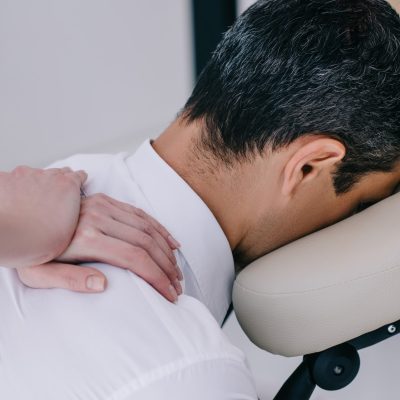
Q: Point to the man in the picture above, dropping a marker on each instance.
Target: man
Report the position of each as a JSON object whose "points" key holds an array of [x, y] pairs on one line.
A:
{"points": [[293, 125]]}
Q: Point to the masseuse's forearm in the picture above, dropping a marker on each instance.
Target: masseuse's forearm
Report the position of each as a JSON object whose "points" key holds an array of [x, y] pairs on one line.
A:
{"points": [[39, 211], [22, 245]]}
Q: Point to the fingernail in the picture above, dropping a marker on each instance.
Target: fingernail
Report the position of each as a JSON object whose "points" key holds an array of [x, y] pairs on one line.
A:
{"points": [[173, 293], [180, 276], [96, 283], [178, 286], [174, 242]]}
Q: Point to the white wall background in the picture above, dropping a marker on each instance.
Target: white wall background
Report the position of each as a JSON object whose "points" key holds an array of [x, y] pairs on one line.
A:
{"points": [[89, 75]]}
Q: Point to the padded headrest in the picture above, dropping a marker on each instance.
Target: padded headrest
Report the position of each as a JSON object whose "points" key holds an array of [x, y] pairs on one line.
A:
{"points": [[325, 288]]}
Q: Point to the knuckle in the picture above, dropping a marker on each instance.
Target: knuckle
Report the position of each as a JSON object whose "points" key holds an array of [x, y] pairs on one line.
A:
{"points": [[159, 227], [139, 255], [160, 281], [99, 198], [92, 217], [86, 235], [20, 170], [129, 208], [72, 282], [152, 230], [68, 180], [139, 212], [171, 270], [147, 228], [94, 209], [100, 208], [146, 241], [92, 200], [172, 276]]}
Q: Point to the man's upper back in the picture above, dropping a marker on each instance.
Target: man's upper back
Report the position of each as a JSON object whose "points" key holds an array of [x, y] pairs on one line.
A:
{"points": [[126, 343]]}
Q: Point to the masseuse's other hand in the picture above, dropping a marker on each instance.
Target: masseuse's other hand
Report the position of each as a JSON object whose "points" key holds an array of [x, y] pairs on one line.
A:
{"points": [[39, 211], [116, 233]]}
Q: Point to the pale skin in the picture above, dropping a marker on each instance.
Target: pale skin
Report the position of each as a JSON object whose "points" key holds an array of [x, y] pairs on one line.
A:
{"points": [[274, 197], [39, 212], [45, 226], [395, 4]]}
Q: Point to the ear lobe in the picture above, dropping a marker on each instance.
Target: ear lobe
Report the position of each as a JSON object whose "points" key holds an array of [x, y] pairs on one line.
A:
{"points": [[309, 160]]}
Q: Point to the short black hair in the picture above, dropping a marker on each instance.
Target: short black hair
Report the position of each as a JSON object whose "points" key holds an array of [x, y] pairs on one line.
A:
{"points": [[287, 68]]}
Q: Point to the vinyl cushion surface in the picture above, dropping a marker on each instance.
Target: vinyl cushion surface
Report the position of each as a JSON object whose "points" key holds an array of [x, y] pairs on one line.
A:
{"points": [[326, 288]]}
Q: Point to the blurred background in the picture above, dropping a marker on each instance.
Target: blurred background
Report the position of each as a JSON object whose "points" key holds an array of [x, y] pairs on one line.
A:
{"points": [[103, 75], [98, 75]]}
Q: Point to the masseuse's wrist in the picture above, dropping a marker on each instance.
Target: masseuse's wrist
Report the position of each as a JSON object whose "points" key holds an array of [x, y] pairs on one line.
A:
{"points": [[26, 240], [24, 246], [39, 213], [50, 247]]}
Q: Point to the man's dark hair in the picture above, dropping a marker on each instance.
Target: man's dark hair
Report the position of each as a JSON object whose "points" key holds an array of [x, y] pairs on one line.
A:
{"points": [[287, 68]]}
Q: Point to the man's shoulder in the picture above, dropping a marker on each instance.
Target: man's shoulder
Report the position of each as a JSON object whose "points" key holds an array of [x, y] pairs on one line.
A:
{"points": [[89, 161], [103, 170], [128, 341]]}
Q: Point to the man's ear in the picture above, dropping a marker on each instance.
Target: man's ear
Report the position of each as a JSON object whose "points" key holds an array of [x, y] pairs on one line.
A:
{"points": [[309, 160]]}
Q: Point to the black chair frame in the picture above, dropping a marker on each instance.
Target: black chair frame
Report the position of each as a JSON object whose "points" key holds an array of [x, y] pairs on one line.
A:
{"points": [[334, 368]]}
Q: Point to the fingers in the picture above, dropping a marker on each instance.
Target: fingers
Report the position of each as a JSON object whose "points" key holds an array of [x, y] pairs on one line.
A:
{"points": [[117, 235], [140, 213], [162, 231], [82, 176], [64, 276], [79, 177], [54, 171], [136, 218], [65, 170], [124, 255], [141, 224], [141, 239]]}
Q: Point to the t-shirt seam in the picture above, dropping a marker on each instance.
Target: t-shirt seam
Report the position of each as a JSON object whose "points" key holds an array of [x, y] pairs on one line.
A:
{"points": [[169, 369]]}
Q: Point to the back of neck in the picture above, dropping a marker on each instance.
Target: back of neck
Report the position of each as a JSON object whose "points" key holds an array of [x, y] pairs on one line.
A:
{"points": [[177, 146]]}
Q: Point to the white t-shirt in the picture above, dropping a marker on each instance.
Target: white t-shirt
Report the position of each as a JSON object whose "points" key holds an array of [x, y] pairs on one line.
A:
{"points": [[129, 342]]}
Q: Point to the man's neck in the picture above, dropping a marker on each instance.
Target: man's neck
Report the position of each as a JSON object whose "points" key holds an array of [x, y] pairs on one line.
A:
{"points": [[177, 147]]}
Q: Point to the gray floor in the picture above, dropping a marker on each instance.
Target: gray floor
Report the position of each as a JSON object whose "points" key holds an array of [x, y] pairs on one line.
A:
{"points": [[379, 376]]}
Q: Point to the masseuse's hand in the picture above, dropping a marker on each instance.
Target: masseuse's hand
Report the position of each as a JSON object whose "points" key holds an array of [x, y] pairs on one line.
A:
{"points": [[39, 211], [115, 233]]}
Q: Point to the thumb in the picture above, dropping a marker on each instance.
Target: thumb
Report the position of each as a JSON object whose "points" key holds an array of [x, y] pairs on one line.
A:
{"points": [[64, 276]]}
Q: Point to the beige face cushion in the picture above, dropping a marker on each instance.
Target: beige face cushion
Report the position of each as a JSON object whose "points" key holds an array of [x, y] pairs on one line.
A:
{"points": [[326, 288]]}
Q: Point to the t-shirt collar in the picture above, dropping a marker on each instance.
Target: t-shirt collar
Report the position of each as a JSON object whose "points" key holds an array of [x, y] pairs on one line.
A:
{"points": [[178, 207]]}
